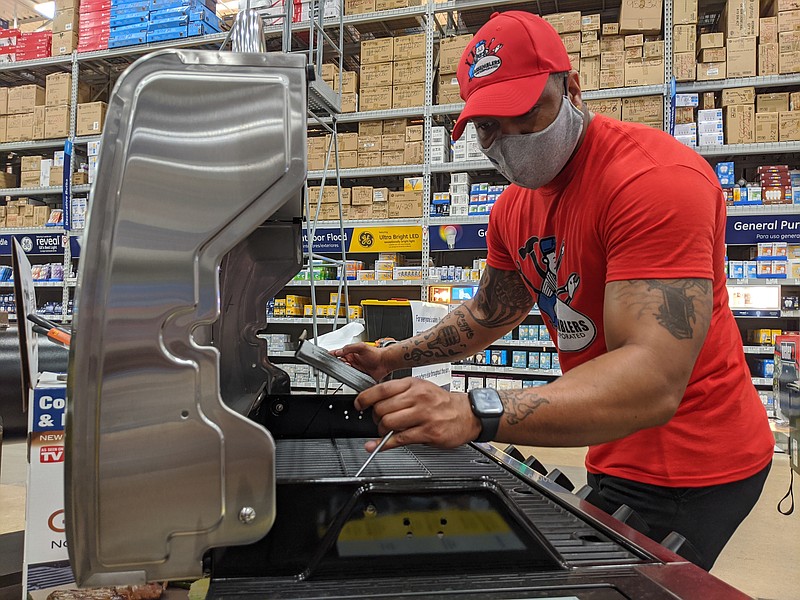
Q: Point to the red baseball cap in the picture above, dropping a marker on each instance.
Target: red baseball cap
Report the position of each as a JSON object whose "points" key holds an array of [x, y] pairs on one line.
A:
{"points": [[505, 67]]}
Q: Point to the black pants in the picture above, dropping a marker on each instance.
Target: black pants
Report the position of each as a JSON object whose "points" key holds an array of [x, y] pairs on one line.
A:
{"points": [[705, 516]]}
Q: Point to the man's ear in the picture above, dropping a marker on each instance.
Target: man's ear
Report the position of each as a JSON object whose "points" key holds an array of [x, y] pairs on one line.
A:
{"points": [[574, 88]]}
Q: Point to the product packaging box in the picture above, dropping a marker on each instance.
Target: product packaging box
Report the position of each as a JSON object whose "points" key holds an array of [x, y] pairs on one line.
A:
{"points": [[746, 95], [766, 127], [91, 118], [772, 102], [740, 18], [25, 98], [740, 124], [544, 361], [640, 17], [768, 59], [787, 373], [789, 126], [380, 50], [519, 359], [56, 123], [711, 71], [684, 38], [742, 57]]}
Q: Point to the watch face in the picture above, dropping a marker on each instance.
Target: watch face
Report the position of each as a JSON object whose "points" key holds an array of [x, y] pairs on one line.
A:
{"points": [[487, 402]]}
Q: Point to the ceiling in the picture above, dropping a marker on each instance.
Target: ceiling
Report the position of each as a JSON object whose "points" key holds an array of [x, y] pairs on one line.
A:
{"points": [[22, 9]]}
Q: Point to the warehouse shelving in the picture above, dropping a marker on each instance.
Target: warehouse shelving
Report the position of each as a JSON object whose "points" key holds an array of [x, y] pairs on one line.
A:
{"points": [[310, 320], [759, 350], [758, 82], [523, 344], [761, 381], [356, 283], [396, 170], [764, 209], [749, 149], [505, 370]]}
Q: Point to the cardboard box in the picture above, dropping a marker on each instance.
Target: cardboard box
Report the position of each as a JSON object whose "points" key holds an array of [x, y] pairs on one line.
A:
{"points": [[3, 100], [361, 196], [772, 102], [654, 49], [376, 75], [347, 142], [789, 48], [19, 127], [405, 205], [572, 41], [590, 22], [24, 98], [684, 38], [745, 95], [564, 22], [58, 89], [634, 40], [31, 163], [393, 158], [449, 90], [393, 141], [634, 53], [370, 143], [377, 98], [380, 50], [742, 57], [380, 210], [684, 11], [408, 95], [395, 126], [684, 115], [647, 71], [349, 83], [590, 73], [612, 78], [740, 124], [408, 71], [360, 213], [349, 103], [794, 101], [56, 124], [590, 49], [64, 43], [768, 30], [358, 7], [39, 123], [713, 55], [370, 128], [410, 46], [711, 71], [389, 4], [610, 29], [709, 100], [766, 127], [740, 18], [348, 159], [641, 109], [612, 44], [65, 20], [712, 40], [610, 107], [56, 176], [368, 160], [575, 61], [684, 66], [789, 126], [635, 16], [612, 60], [29, 179], [589, 36], [768, 59], [450, 51], [91, 118], [414, 153], [788, 20], [414, 133]]}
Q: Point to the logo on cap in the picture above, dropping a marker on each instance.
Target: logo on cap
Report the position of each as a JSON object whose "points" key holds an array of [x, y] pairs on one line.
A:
{"points": [[484, 59]]}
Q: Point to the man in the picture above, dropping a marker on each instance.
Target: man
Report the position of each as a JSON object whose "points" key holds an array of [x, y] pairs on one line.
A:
{"points": [[617, 230]]}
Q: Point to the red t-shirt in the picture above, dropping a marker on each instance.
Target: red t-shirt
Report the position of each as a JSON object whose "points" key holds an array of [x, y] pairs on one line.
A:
{"points": [[633, 203]]}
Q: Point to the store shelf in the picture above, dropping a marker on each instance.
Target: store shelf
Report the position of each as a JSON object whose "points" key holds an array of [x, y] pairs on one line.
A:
{"points": [[377, 115], [505, 370], [467, 220], [394, 170], [523, 344], [466, 165], [744, 149], [87, 139], [12, 317], [37, 191], [790, 314], [202, 40], [309, 320], [739, 282], [764, 209], [39, 284], [31, 146], [759, 82], [368, 223], [759, 350], [355, 283], [762, 381], [50, 61], [30, 230]]}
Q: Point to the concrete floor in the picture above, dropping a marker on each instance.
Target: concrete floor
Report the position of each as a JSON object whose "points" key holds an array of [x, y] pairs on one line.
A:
{"points": [[762, 559]]}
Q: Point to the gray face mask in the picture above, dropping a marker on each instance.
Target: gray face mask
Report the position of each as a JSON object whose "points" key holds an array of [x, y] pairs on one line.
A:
{"points": [[532, 160]]}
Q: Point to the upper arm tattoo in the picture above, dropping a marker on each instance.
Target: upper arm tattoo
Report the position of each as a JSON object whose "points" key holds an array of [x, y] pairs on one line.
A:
{"points": [[677, 308], [502, 299]]}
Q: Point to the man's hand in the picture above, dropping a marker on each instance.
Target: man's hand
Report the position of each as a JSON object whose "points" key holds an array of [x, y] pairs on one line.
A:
{"points": [[367, 359], [419, 412]]}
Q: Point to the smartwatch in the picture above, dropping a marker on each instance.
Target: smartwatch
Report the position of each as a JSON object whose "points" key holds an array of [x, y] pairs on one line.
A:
{"points": [[487, 406]]}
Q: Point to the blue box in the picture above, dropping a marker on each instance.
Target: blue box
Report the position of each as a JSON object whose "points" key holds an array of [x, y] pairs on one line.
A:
{"points": [[162, 4], [765, 367], [499, 358], [544, 334], [128, 20], [533, 360], [522, 332], [129, 10], [555, 362], [172, 23], [751, 269], [527, 384], [161, 35], [725, 174], [544, 361], [508, 336], [135, 29], [205, 28], [127, 41], [519, 359]]}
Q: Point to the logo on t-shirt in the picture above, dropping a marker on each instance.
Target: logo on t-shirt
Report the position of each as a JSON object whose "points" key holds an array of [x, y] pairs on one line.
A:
{"points": [[576, 331]]}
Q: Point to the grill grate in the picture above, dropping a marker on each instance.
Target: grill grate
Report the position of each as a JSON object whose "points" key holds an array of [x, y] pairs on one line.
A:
{"points": [[579, 543]]}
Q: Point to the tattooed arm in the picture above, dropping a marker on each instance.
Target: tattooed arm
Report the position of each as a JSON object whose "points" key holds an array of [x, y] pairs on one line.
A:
{"points": [[501, 303], [654, 332]]}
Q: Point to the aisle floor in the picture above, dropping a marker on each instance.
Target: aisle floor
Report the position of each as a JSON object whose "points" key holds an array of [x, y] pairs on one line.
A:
{"points": [[761, 559]]}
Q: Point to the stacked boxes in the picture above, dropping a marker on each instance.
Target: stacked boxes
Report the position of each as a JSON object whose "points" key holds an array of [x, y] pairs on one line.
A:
{"points": [[31, 46], [440, 145], [710, 127], [175, 19], [785, 14], [467, 146], [274, 11], [25, 213], [349, 82], [739, 109], [450, 51], [94, 23], [408, 71], [91, 118], [646, 110], [376, 77], [23, 101], [8, 45]]}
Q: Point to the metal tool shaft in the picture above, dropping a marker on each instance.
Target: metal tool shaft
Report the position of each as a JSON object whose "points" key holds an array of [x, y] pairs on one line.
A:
{"points": [[374, 453]]}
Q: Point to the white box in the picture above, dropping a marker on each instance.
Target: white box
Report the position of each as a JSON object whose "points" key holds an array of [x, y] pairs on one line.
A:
{"points": [[44, 172], [459, 210], [58, 158], [440, 154], [710, 127], [686, 129], [687, 140], [712, 114], [93, 148], [459, 178], [712, 139], [439, 136], [687, 100]]}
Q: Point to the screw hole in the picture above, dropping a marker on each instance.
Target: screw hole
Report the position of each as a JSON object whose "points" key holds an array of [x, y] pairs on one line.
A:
{"points": [[407, 522], [440, 534], [410, 534], [443, 521], [184, 414]]}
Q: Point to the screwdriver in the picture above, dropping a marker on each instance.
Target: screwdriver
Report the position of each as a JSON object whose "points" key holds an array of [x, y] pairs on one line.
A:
{"points": [[374, 453]]}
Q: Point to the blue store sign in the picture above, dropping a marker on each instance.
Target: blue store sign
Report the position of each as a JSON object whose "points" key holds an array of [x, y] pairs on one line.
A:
{"points": [[458, 237], [40, 243], [763, 228]]}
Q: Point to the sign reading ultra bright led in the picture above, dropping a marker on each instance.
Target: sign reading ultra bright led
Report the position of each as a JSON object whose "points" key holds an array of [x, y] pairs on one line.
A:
{"points": [[367, 239]]}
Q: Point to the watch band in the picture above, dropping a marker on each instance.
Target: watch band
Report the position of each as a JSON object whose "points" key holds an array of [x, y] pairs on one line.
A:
{"points": [[489, 427]]}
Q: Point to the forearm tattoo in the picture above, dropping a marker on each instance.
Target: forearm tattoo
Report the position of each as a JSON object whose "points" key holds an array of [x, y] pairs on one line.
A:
{"points": [[518, 405], [676, 309], [502, 299], [445, 340]]}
